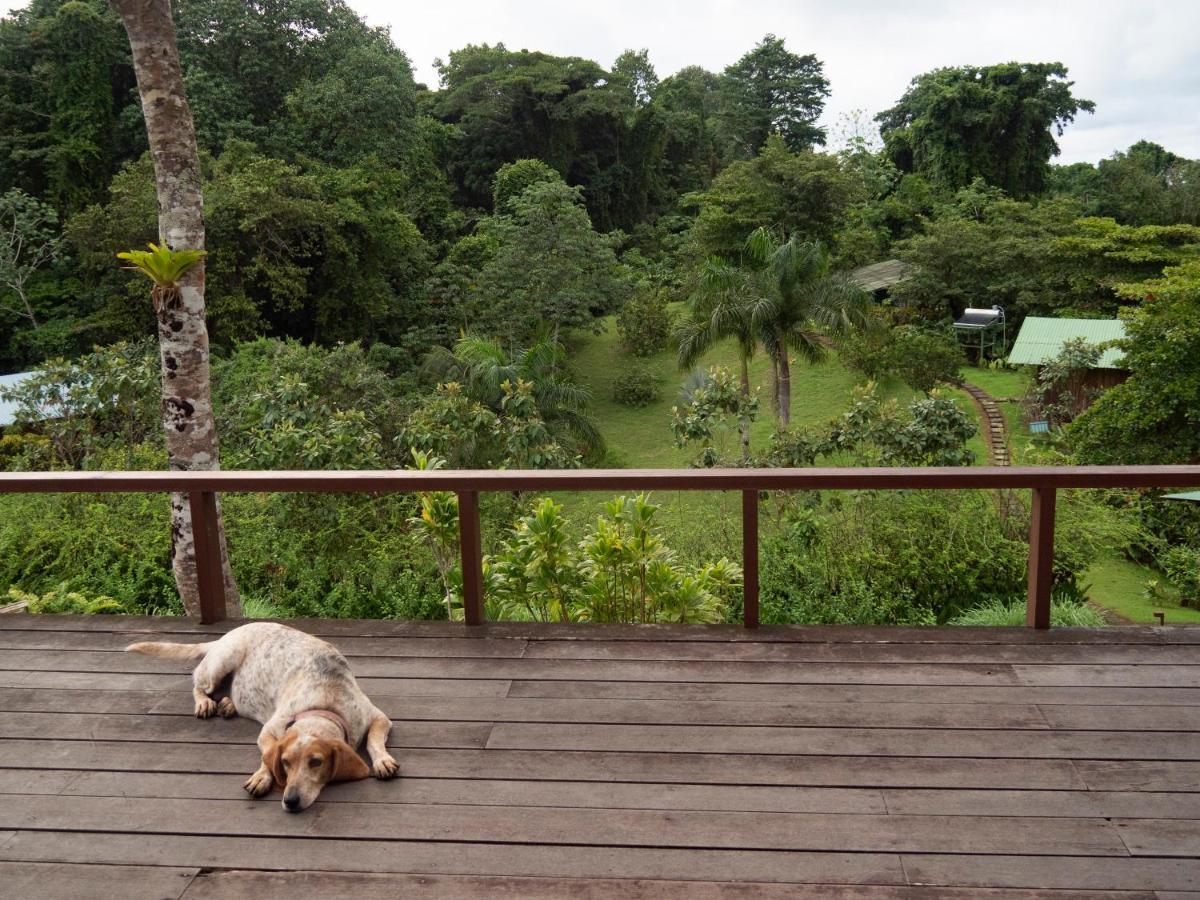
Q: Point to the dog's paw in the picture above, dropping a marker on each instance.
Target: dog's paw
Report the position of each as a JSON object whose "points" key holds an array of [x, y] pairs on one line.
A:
{"points": [[205, 708], [226, 709], [385, 767], [259, 784]]}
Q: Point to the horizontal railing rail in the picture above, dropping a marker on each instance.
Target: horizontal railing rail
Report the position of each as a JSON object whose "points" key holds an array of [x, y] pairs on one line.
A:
{"points": [[201, 489]]}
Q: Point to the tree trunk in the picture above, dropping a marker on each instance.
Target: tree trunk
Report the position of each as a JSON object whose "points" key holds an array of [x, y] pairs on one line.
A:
{"points": [[744, 422], [191, 436], [785, 387]]}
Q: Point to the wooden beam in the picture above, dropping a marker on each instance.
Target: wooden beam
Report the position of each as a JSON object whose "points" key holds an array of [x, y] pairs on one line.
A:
{"points": [[472, 556], [206, 538], [750, 559], [1041, 558]]}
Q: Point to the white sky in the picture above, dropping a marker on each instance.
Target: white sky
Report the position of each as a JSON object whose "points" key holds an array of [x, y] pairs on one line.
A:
{"points": [[1139, 61]]}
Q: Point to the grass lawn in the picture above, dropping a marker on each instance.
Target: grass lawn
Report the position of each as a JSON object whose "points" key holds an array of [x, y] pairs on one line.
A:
{"points": [[1006, 387], [642, 437], [1118, 584]]}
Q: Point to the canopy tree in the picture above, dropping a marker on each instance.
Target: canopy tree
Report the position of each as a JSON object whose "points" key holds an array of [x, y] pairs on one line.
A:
{"points": [[188, 423], [997, 122]]}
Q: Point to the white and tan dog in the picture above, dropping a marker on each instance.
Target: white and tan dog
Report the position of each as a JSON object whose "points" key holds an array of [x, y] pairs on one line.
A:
{"points": [[300, 688]]}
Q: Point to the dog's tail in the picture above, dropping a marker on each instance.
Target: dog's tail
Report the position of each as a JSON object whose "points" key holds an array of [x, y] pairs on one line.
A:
{"points": [[191, 652]]}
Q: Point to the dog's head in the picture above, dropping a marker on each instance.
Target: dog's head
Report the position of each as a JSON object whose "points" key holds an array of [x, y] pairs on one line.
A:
{"points": [[302, 763]]}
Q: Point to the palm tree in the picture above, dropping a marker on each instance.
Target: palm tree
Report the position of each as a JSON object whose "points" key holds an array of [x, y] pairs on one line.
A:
{"points": [[721, 308], [482, 367], [800, 304]]}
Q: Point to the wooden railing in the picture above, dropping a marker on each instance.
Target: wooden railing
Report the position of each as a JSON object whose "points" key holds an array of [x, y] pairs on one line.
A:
{"points": [[201, 489]]}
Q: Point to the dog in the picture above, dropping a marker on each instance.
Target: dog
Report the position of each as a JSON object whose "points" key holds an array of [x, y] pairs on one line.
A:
{"points": [[301, 689]]}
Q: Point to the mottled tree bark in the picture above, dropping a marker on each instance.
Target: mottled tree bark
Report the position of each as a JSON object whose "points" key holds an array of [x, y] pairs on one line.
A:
{"points": [[191, 436]]}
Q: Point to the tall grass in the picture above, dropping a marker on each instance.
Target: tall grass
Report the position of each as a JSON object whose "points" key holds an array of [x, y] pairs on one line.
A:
{"points": [[1062, 615]]}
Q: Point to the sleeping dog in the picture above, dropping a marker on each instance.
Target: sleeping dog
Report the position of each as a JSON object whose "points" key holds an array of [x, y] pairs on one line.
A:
{"points": [[300, 688]]}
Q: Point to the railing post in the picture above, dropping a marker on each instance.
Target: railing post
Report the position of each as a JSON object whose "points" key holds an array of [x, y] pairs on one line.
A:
{"points": [[472, 556], [206, 546], [1041, 558], [750, 558]]}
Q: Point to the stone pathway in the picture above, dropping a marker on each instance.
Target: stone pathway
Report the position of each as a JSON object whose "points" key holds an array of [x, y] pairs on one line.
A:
{"points": [[995, 427]]}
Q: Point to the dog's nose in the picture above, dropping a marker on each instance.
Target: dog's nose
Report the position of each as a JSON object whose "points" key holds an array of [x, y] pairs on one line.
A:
{"points": [[291, 802]]}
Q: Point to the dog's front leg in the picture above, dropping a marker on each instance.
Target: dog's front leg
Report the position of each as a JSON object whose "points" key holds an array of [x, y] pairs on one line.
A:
{"points": [[383, 764], [259, 784]]}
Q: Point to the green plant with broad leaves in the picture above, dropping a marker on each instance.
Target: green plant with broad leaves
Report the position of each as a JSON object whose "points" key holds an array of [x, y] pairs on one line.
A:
{"points": [[164, 267]]}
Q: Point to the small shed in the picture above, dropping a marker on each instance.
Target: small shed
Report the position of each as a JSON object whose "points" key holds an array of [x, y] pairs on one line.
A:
{"points": [[1042, 339], [982, 330], [878, 278]]}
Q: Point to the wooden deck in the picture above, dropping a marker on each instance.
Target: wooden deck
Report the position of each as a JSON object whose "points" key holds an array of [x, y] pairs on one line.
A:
{"points": [[545, 762]]}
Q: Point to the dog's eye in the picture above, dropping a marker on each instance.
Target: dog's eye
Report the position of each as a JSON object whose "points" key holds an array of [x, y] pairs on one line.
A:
{"points": [[315, 762]]}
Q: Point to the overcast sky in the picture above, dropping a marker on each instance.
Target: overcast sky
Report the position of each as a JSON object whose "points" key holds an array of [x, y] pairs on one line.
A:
{"points": [[1139, 61]]}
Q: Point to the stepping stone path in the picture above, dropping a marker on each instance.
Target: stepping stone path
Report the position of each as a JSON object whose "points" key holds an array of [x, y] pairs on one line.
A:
{"points": [[995, 428]]}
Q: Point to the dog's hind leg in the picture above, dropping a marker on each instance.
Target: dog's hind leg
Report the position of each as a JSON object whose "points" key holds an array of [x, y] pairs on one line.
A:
{"points": [[208, 676]]}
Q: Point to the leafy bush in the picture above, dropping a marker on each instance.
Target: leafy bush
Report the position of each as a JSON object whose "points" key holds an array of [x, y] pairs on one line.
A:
{"points": [[63, 601], [712, 408], [637, 386], [921, 357], [644, 322], [622, 571], [1062, 615], [913, 557], [1181, 565]]}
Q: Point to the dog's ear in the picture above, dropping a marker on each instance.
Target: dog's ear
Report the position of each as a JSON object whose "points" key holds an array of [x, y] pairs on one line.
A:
{"points": [[347, 764], [273, 759]]}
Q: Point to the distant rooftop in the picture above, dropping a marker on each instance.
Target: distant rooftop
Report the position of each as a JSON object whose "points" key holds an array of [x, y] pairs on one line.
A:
{"points": [[880, 275], [1041, 339], [8, 410]]}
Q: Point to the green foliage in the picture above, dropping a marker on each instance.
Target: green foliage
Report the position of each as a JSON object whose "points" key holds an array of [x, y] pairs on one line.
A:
{"points": [[1063, 614], [162, 265], [801, 194], [998, 123], [933, 431], [644, 322], [1146, 185], [63, 601], [1181, 565], [1154, 417], [637, 386], [771, 91], [621, 571], [515, 178], [106, 401], [921, 357], [1059, 393], [712, 407], [915, 558]]}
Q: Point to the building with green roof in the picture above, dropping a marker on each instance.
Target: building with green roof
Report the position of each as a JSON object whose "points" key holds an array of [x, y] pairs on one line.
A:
{"points": [[1041, 339]]}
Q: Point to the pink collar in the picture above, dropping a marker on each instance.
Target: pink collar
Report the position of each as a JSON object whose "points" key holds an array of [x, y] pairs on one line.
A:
{"points": [[327, 714]]}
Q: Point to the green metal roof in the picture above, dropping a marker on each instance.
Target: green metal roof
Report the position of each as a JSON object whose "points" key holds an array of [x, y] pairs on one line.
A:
{"points": [[1042, 339], [1194, 496]]}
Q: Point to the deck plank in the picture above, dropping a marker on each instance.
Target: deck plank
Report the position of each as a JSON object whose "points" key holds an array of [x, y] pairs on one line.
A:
{"points": [[45, 881]]}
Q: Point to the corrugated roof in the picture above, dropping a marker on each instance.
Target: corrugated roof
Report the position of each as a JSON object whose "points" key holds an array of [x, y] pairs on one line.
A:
{"points": [[1193, 496], [1042, 339], [8, 410], [880, 275]]}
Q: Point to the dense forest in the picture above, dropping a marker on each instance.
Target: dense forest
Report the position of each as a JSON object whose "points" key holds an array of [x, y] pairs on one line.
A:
{"points": [[402, 275]]}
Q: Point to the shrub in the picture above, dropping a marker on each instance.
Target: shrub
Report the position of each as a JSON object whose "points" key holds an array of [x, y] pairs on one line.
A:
{"points": [[1181, 565], [62, 601], [636, 387], [923, 357], [644, 323], [1062, 615]]}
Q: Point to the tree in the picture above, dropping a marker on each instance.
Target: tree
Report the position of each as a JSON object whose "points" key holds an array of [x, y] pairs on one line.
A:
{"points": [[803, 194], [188, 423], [634, 76], [1154, 417], [803, 303], [993, 122], [550, 270], [483, 367], [29, 241], [514, 178], [769, 91], [1146, 185]]}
